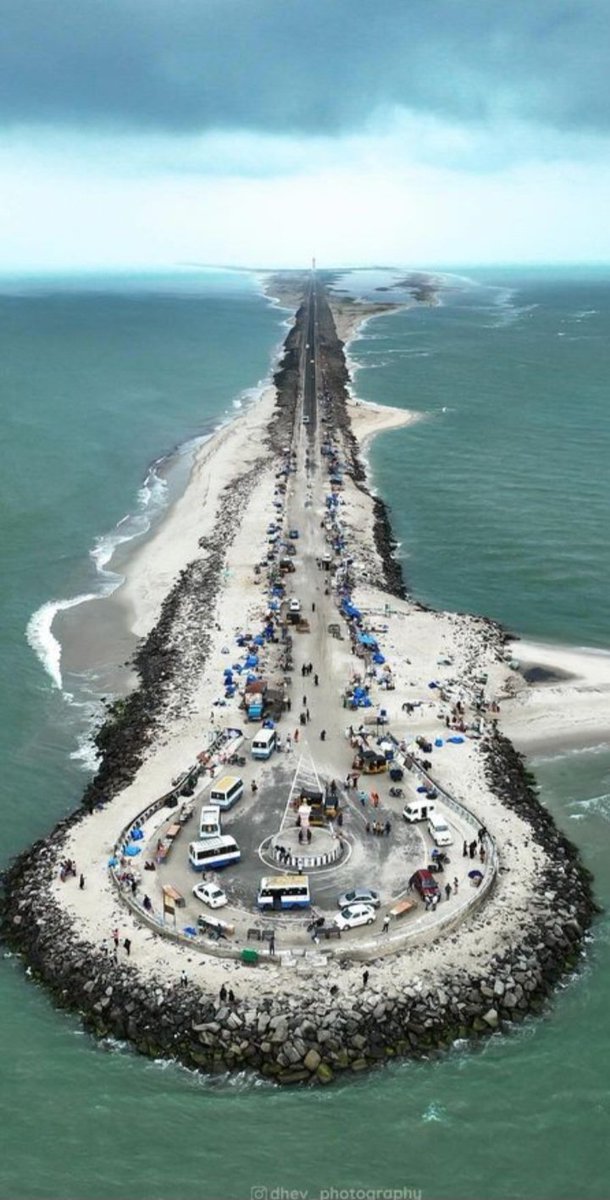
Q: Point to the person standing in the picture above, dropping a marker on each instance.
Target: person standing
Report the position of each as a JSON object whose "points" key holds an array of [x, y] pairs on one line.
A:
{"points": [[447, 891], [386, 923], [81, 882], [365, 978], [127, 946], [455, 886], [115, 938], [272, 944]]}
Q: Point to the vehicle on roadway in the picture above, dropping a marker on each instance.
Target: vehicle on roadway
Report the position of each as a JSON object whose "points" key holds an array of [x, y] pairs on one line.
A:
{"points": [[418, 810], [355, 915], [424, 882], [439, 830], [305, 419], [227, 791], [360, 896], [294, 606], [279, 892], [264, 743], [209, 822], [210, 894], [213, 853]]}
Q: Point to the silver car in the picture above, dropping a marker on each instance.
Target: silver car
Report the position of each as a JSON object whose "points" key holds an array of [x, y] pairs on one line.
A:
{"points": [[360, 896]]}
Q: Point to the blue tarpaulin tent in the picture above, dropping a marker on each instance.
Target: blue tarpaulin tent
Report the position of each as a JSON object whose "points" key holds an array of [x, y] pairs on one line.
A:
{"points": [[367, 639]]}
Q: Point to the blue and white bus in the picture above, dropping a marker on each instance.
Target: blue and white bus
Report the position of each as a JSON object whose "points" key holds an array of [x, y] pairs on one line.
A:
{"points": [[213, 853], [264, 743], [277, 892]]}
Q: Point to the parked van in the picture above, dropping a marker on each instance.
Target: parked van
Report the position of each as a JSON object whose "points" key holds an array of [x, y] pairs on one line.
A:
{"points": [[418, 810], [227, 791], [209, 824], [213, 853], [264, 743], [439, 830]]}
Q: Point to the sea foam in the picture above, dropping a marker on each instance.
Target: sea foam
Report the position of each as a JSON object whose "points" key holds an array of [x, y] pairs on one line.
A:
{"points": [[41, 638]]}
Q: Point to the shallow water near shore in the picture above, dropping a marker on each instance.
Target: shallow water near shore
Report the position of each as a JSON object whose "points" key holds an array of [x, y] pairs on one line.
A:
{"points": [[521, 1116]]}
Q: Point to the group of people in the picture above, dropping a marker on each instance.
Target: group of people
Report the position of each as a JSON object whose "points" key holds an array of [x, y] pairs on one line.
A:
{"points": [[67, 869], [378, 828]]}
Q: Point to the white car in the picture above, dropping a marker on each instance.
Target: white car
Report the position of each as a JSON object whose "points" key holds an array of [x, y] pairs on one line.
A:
{"points": [[354, 915], [294, 606], [210, 894]]}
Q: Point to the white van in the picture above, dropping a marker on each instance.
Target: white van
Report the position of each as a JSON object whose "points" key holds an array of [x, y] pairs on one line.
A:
{"points": [[439, 830], [264, 743], [418, 810], [227, 791], [209, 824]]}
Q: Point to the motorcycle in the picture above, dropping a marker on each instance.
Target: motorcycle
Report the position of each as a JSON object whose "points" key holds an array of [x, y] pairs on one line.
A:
{"points": [[397, 793], [237, 760]]}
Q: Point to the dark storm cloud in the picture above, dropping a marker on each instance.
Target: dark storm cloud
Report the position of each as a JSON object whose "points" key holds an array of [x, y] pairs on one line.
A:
{"points": [[301, 66]]}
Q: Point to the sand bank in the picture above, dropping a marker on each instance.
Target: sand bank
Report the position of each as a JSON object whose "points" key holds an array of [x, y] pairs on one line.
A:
{"points": [[569, 705]]}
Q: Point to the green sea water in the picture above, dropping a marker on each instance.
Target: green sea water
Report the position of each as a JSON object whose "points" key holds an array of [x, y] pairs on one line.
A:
{"points": [[98, 382]]}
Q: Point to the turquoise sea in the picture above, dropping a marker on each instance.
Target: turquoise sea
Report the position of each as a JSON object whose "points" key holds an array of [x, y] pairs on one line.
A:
{"points": [[500, 496]]}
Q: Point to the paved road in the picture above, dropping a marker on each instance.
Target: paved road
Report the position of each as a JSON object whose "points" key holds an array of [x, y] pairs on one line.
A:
{"points": [[310, 405]]}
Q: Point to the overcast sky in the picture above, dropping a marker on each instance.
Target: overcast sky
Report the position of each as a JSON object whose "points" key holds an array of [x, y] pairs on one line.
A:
{"points": [[260, 132]]}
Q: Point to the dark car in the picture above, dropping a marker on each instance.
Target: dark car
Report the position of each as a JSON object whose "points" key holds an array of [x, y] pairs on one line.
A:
{"points": [[424, 882]]}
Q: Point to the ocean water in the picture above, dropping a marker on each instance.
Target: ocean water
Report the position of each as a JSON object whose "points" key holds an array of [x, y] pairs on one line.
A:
{"points": [[500, 502]]}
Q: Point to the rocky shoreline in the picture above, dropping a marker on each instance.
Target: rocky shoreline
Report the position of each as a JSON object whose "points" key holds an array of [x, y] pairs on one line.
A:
{"points": [[336, 1024]]}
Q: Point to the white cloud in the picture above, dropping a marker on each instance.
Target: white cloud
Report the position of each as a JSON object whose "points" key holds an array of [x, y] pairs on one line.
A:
{"points": [[406, 190]]}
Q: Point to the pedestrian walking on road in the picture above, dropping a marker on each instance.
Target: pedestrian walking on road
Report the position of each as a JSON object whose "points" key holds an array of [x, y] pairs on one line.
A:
{"points": [[308, 715], [304, 701], [272, 945], [386, 923], [115, 938], [316, 680], [81, 882], [447, 891], [313, 607], [472, 849], [455, 886], [465, 850], [296, 735], [387, 828], [323, 735], [127, 946]]}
